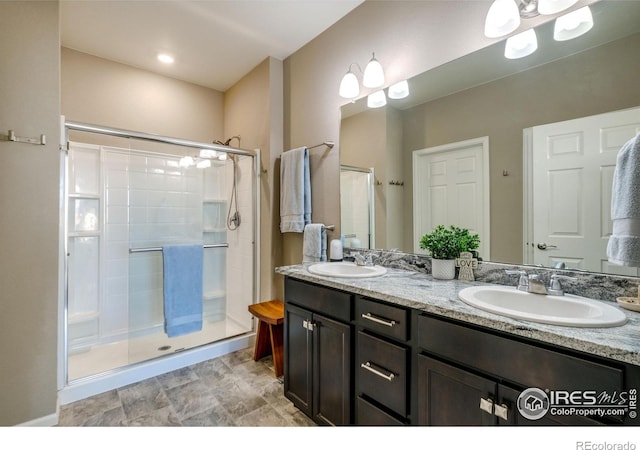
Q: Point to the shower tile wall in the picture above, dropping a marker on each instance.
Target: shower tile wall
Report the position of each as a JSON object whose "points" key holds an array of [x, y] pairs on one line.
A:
{"points": [[165, 207], [121, 199]]}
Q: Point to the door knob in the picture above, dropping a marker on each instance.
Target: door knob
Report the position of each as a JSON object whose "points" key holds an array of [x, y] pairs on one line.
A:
{"points": [[543, 246]]}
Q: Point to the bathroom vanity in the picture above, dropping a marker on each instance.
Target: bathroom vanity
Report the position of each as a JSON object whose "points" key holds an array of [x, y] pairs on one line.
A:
{"points": [[402, 349]]}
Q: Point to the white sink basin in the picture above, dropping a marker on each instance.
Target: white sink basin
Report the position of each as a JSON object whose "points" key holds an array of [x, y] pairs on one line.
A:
{"points": [[567, 310], [346, 270]]}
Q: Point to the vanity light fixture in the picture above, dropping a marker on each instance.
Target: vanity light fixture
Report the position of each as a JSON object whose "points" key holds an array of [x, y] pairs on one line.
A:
{"points": [[521, 45], [373, 76], [572, 25], [504, 16], [377, 99], [399, 90], [203, 163]]}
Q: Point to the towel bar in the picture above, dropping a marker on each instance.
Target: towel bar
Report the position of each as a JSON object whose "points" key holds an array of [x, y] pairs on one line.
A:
{"points": [[159, 249]]}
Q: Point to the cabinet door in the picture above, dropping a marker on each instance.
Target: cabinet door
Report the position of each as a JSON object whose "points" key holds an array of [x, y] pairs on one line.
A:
{"points": [[332, 371], [298, 357], [451, 396]]}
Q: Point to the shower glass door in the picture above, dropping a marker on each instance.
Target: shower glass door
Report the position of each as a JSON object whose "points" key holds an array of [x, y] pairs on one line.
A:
{"points": [[124, 205]]}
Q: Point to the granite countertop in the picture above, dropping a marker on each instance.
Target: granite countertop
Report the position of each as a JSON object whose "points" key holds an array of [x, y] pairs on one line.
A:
{"points": [[420, 291]]}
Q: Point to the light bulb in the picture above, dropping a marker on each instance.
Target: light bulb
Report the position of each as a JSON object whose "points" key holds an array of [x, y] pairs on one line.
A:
{"points": [[373, 74], [349, 86], [203, 163], [521, 45], [399, 90], [503, 18], [572, 25], [377, 99], [165, 58]]}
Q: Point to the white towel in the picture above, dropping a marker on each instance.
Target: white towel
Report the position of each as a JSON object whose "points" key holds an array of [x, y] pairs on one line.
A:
{"points": [[623, 247], [295, 190], [314, 243]]}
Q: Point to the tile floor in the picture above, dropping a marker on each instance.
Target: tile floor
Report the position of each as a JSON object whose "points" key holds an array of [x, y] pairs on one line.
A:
{"points": [[232, 390]]}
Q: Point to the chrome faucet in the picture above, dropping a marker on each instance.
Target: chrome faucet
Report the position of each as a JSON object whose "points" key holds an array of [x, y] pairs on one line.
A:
{"points": [[528, 283], [555, 287], [363, 260]]}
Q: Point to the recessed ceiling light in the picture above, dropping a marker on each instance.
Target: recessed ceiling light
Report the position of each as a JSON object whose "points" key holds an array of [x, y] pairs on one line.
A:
{"points": [[165, 58]]}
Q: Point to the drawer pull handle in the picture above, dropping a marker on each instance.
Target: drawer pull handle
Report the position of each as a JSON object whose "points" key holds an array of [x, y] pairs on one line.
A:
{"points": [[501, 411], [375, 319], [372, 369], [486, 404]]}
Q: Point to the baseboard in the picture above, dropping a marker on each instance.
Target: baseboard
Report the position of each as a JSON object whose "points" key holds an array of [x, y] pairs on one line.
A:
{"points": [[47, 421]]}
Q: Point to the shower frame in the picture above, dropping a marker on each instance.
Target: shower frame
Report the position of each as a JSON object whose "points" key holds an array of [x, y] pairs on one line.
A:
{"points": [[143, 369]]}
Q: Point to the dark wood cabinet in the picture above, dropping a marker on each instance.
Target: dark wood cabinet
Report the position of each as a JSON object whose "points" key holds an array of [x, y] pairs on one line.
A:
{"points": [[382, 363], [468, 376], [318, 353], [450, 396], [351, 359]]}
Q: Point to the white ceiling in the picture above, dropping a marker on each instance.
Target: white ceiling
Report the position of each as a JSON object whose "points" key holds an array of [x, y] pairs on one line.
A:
{"points": [[214, 42]]}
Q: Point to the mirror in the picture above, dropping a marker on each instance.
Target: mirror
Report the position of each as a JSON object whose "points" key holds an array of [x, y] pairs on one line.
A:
{"points": [[486, 95]]}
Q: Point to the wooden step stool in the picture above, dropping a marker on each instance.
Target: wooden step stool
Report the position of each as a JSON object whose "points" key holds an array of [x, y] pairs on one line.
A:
{"points": [[270, 317]]}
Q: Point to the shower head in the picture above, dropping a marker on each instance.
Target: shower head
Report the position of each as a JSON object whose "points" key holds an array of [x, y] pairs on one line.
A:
{"points": [[226, 143], [231, 138]]}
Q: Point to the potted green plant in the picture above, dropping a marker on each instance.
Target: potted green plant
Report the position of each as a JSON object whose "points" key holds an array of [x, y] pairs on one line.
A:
{"points": [[445, 245]]}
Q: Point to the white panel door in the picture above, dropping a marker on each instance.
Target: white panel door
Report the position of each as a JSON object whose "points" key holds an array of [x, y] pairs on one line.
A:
{"points": [[572, 175], [451, 187]]}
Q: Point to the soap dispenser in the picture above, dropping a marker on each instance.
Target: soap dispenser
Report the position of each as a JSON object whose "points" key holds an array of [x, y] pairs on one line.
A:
{"points": [[335, 250]]}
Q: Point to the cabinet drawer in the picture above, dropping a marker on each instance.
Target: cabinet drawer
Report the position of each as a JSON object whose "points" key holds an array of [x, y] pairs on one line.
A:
{"points": [[382, 318], [382, 372], [521, 363], [373, 416], [330, 302]]}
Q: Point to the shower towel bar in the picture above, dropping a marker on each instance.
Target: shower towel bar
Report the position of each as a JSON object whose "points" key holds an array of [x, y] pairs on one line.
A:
{"points": [[159, 249], [329, 144]]}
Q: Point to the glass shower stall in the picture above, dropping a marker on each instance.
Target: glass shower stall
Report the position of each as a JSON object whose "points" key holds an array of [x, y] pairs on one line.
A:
{"points": [[127, 195]]}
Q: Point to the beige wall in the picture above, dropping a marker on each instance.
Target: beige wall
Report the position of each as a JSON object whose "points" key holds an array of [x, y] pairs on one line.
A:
{"points": [[29, 222], [103, 92], [253, 110], [600, 80]]}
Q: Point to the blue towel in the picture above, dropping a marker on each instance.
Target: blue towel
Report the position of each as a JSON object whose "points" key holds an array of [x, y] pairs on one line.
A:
{"points": [[314, 243], [295, 190], [623, 247], [182, 266]]}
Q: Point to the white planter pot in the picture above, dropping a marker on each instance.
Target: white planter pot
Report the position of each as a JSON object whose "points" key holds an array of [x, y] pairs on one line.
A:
{"points": [[443, 269]]}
